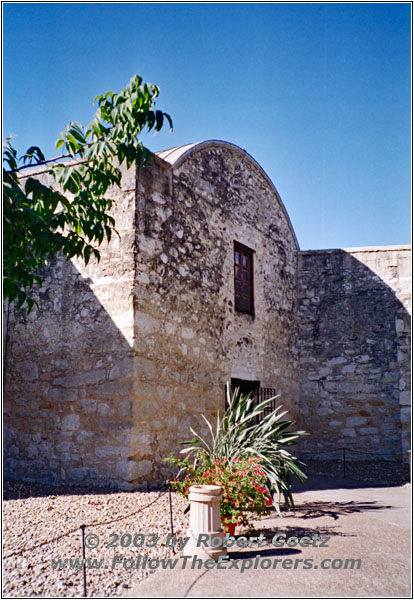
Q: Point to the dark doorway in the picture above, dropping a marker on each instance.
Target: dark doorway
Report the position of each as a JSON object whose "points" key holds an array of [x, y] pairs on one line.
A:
{"points": [[245, 386]]}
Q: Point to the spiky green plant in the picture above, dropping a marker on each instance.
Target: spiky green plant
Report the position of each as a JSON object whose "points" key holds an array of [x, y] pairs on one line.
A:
{"points": [[245, 431]]}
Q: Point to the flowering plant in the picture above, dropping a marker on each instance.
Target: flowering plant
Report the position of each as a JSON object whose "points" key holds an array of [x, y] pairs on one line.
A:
{"points": [[244, 492], [245, 431]]}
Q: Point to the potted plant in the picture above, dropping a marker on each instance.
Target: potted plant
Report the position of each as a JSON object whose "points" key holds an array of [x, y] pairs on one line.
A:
{"points": [[245, 495], [247, 456]]}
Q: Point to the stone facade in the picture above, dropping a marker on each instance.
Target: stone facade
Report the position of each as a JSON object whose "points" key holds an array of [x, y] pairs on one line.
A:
{"points": [[354, 345], [69, 363], [123, 356]]}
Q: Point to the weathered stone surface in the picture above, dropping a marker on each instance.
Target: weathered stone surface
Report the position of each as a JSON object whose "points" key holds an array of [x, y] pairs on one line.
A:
{"points": [[70, 422], [124, 356], [354, 344]]}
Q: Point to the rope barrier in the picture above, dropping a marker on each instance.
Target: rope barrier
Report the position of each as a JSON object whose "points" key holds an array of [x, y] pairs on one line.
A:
{"points": [[377, 454], [96, 524], [343, 457]]}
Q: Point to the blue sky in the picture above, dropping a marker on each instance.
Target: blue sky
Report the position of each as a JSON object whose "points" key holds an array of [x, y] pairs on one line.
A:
{"points": [[318, 94]]}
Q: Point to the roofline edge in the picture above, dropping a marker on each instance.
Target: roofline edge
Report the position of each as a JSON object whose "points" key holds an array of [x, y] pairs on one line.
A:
{"points": [[209, 143]]}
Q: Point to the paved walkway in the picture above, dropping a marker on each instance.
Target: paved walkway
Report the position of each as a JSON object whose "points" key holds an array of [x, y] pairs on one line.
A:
{"points": [[367, 523]]}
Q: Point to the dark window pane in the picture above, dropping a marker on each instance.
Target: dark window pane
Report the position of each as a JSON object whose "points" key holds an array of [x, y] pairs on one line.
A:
{"points": [[243, 279]]}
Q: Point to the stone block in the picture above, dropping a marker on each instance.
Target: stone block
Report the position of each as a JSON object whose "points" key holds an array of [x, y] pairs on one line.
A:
{"points": [[104, 451], [123, 408], [348, 432], [111, 388], [187, 333], [49, 478], [80, 379], [79, 473], [67, 395], [32, 451], [352, 421], [141, 439], [105, 410], [145, 323], [337, 360], [130, 470], [368, 431], [144, 369], [84, 435], [405, 398], [64, 446], [28, 370], [115, 428], [406, 414], [70, 422], [122, 369]]}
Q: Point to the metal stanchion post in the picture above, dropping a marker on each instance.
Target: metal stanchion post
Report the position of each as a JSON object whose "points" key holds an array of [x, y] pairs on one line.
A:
{"points": [[344, 461], [171, 519], [83, 557]]}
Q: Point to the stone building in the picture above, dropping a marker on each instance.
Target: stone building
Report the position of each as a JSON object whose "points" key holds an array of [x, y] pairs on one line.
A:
{"points": [[204, 284]]}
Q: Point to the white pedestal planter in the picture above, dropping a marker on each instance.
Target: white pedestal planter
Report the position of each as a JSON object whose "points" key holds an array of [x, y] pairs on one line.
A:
{"points": [[205, 520]]}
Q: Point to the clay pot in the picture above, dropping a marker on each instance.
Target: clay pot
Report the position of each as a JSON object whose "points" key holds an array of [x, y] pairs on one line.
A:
{"points": [[229, 527]]}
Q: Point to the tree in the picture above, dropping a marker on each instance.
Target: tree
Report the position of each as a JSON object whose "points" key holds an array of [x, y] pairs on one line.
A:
{"points": [[70, 212]]}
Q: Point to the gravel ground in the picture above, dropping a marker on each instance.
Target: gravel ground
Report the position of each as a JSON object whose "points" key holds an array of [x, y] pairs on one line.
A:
{"points": [[35, 515]]}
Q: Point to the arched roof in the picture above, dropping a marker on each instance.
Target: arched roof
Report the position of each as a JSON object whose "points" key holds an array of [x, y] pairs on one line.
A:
{"points": [[174, 157]]}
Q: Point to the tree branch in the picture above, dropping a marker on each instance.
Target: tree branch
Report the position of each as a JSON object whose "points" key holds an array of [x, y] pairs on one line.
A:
{"points": [[80, 162], [44, 162], [50, 160]]}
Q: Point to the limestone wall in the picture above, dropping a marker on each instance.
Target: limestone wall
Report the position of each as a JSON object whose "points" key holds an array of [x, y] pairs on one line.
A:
{"points": [[187, 332], [123, 356], [354, 345], [69, 368], [105, 379]]}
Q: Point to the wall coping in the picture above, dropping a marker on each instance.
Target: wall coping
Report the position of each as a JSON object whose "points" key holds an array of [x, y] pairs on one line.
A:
{"points": [[355, 250]]}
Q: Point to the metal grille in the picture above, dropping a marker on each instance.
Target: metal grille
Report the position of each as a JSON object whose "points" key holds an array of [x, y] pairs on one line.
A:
{"points": [[259, 395], [262, 394]]}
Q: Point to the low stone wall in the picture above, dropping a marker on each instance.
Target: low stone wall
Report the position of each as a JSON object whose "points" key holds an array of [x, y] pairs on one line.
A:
{"points": [[354, 347]]}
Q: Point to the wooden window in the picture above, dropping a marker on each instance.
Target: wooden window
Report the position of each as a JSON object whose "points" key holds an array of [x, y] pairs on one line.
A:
{"points": [[243, 278]]}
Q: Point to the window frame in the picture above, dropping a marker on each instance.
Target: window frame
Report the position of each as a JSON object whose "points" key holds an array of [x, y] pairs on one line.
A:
{"points": [[249, 252]]}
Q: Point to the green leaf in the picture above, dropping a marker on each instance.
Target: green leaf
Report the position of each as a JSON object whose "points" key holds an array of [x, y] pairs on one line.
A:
{"points": [[42, 218], [87, 253]]}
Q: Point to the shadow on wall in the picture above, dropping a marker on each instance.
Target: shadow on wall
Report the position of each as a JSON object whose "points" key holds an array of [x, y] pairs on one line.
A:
{"points": [[68, 386], [83, 399], [87, 400], [354, 347]]}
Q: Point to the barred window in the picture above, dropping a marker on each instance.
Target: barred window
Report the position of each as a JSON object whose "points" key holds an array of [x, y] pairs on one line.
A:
{"points": [[243, 278]]}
